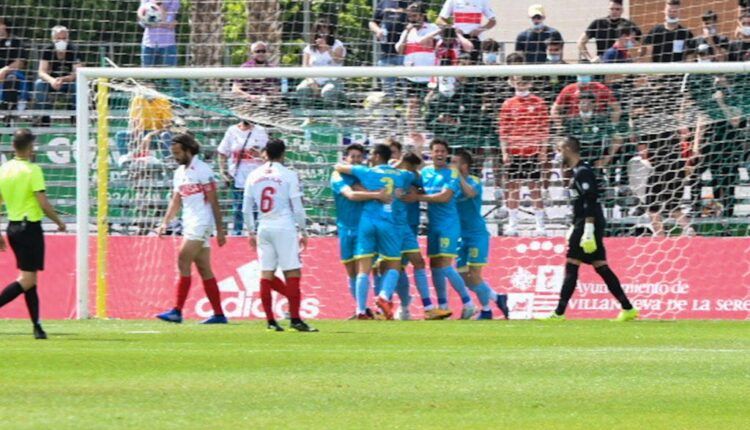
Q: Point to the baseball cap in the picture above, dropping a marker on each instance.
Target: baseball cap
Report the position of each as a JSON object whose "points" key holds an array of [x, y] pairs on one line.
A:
{"points": [[536, 9]]}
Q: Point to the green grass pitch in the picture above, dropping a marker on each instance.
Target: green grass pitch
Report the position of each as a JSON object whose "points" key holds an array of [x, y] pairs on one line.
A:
{"points": [[381, 375]]}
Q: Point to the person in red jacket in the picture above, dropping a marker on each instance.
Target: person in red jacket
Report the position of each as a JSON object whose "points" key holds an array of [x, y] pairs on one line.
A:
{"points": [[524, 141]]}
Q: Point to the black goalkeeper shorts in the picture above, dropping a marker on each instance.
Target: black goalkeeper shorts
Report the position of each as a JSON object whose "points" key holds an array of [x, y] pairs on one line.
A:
{"points": [[576, 252]]}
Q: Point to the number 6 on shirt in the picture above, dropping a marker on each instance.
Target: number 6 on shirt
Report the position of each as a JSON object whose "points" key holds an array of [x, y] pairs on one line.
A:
{"points": [[266, 199]]}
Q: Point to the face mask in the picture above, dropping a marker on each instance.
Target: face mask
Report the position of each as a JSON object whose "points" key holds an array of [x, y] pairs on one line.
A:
{"points": [[554, 58], [61, 45], [746, 30], [704, 60], [630, 44], [712, 31], [489, 58], [672, 20], [585, 79], [522, 93], [587, 115], [539, 26]]}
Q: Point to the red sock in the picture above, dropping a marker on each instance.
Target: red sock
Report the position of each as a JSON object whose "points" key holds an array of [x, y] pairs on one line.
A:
{"points": [[279, 286], [183, 288], [266, 299], [212, 292], [294, 296]]}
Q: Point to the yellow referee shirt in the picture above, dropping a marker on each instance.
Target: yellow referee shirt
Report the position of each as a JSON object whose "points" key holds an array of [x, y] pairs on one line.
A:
{"points": [[19, 180]]}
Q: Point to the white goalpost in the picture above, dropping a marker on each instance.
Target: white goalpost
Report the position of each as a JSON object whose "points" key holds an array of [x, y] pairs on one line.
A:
{"points": [[92, 126]]}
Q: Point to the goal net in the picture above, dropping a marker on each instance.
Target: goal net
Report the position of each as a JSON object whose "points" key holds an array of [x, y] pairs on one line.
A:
{"points": [[670, 150]]}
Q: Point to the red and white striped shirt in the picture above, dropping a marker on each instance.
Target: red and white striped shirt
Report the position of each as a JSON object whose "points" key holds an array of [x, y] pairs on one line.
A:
{"points": [[417, 54], [467, 14]]}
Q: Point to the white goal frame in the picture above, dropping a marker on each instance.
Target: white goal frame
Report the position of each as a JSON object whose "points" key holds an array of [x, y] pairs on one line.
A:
{"points": [[86, 75]]}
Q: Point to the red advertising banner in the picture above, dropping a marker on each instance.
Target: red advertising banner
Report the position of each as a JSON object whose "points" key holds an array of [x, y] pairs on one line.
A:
{"points": [[697, 278]]}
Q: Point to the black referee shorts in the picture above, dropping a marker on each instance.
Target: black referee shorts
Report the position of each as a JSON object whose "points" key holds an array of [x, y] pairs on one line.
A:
{"points": [[26, 239], [576, 252]]}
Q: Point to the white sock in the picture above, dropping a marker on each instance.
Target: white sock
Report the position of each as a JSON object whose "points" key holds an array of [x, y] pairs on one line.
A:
{"points": [[513, 218], [539, 215]]}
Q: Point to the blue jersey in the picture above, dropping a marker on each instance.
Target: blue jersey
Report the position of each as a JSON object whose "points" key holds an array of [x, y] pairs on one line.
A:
{"points": [[412, 209], [375, 179], [470, 209], [348, 212], [403, 210], [434, 181]]}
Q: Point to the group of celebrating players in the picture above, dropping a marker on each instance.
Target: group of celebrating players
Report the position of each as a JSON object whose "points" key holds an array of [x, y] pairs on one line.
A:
{"points": [[378, 217]]}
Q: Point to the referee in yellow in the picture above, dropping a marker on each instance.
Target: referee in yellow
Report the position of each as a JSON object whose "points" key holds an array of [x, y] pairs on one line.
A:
{"points": [[22, 190]]}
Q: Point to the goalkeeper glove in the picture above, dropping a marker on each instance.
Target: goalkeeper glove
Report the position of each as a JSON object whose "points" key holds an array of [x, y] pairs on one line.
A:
{"points": [[588, 240]]}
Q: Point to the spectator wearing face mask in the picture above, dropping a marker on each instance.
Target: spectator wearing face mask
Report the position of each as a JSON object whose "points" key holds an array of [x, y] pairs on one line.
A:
{"points": [[57, 71], [711, 37], [624, 47], [668, 42], [622, 51], [467, 17], [531, 42], [605, 32], [739, 49], [550, 86]]}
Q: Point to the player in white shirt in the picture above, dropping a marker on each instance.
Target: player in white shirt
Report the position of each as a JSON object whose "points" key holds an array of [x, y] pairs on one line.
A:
{"points": [[239, 154], [417, 45], [467, 16], [194, 191], [273, 191]]}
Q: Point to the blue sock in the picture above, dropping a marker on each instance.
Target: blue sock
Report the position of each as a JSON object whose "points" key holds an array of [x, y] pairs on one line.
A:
{"points": [[353, 287], [377, 281], [483, 294], [441, 289], [491, 294], [403, 289], [363, 287], [458, 284], [420, 278], [390, 282]]}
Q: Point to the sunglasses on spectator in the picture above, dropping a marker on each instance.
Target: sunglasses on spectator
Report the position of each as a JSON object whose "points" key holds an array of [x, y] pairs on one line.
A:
{"points": [[259, 51]]}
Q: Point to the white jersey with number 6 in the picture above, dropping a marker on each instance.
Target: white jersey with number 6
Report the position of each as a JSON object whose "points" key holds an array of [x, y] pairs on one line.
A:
{"points": [[270, 189]]}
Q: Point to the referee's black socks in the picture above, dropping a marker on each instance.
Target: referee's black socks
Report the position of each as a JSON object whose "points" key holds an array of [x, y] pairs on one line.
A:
{"points": [[568, 286], [613, 284], [32, 304], [10, 293]]}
